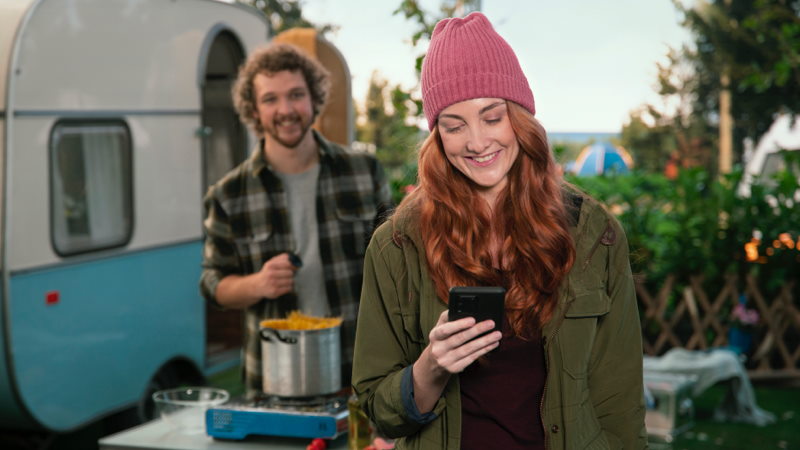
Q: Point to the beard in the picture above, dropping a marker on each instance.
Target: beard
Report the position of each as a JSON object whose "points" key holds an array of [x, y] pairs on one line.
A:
{"points": [[289, 141]]}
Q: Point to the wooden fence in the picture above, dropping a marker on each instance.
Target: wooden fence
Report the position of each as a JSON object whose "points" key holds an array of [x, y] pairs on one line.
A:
{"points": [[694, 319]]}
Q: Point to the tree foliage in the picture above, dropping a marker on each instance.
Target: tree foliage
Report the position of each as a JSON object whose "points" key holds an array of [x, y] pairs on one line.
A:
{"points": [[755, 42], [699, 223], [286, 14], [387, 121], [670, 131]]}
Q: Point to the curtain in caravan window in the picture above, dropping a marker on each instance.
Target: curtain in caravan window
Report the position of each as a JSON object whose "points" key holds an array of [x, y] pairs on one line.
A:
{"points": [[91, 188], [105, 196], [61, 203]]}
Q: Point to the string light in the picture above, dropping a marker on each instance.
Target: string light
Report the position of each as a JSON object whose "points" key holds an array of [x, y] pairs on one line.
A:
{"points": [[751, 251]]}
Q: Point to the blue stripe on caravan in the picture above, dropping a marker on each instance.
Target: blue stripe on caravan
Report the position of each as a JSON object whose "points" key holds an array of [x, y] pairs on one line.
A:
{"points": [[117, 320]]}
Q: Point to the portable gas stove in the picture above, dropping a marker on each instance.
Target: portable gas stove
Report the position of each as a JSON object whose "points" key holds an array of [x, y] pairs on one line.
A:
{"points": [[317, 417]]}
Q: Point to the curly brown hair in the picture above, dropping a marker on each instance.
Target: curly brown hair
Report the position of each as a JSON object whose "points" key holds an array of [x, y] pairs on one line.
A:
{"points": [[270, 60]]}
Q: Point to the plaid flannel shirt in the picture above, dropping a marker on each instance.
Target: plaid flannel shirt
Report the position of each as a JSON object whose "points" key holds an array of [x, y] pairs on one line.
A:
{"points": [[247, 223]]}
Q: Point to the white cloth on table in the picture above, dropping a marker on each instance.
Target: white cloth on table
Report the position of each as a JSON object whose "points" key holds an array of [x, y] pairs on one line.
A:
{"points": [[710, 367]]}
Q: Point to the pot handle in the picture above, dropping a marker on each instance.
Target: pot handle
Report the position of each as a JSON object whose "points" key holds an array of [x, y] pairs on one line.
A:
{"points": [[268, 333]]}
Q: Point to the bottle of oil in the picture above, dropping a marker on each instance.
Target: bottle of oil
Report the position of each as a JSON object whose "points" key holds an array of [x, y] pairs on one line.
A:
{"points": [[360, 430]]}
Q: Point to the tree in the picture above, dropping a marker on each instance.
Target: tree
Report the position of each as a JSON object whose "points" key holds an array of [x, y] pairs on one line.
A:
{"points": [[670, 132], [650, 144], [757, 43], [387, 120], [285, 14]]}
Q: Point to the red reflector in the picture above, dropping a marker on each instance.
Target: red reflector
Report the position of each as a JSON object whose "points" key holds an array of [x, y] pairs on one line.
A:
{"points": [[51, 298]]}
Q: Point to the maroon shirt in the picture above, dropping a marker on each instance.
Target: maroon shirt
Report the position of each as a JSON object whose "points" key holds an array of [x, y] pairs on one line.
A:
{"points": [[501, 396]]}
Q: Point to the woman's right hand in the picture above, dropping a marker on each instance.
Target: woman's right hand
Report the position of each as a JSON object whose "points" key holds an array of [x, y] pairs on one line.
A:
{"points": [[453, 346]]}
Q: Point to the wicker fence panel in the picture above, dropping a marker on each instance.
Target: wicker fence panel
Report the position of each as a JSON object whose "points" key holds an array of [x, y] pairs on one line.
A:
{"points": [[692, 318]]}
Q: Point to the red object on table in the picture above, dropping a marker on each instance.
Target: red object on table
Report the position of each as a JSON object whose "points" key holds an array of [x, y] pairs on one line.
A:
{"points": [[317, 444]]}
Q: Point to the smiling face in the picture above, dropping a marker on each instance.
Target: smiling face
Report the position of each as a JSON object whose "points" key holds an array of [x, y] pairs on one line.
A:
{"points": [[283, 106], [479, 141]]}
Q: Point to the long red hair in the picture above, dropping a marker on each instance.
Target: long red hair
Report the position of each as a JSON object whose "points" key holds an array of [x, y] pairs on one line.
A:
{"points": [[530, 219]]}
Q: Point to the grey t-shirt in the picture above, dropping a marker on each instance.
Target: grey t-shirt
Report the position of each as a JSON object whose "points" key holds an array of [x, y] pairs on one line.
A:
{"points": [[309, 280]]}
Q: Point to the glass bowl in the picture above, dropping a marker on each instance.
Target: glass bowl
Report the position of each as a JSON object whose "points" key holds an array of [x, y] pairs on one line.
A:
{"points": [[185, 408]]}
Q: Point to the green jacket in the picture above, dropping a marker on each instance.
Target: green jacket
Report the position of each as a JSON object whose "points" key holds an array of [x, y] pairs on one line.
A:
{"points": [[593, 397]]}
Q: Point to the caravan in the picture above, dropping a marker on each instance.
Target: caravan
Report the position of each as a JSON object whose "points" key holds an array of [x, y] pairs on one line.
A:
{"points": [[115, 116], [769, 156]]}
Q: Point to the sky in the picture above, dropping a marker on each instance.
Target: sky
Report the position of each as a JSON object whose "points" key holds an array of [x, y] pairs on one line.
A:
{"points": [[589, 62]]}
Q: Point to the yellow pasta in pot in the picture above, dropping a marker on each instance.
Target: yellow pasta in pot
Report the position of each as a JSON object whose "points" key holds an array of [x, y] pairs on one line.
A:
{"points": [[299, 321]]}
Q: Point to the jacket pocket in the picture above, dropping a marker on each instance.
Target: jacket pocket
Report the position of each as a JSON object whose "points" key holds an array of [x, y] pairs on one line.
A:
{"points": [[583, 430], [253, 250], [577, 333], [356, 224]]}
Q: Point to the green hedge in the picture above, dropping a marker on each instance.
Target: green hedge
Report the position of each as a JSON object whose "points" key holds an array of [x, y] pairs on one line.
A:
{"points": [[698, 225]]}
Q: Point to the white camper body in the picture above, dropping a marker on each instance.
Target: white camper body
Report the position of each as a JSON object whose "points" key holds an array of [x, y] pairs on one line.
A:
{"points": [[766, 158], [115, 115]]}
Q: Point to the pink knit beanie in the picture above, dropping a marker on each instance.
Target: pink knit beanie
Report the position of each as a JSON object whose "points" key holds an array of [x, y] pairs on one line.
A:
{"points": [[467, 59]]}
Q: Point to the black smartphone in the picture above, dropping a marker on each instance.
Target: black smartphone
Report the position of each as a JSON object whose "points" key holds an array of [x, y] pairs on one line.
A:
{"points": [[480, 302]]}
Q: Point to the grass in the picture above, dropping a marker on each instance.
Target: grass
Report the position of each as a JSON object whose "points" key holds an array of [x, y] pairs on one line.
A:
{"points": [[705, 433]]}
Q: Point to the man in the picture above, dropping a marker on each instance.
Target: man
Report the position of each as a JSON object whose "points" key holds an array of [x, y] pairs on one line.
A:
{"points": [[287, 228]]}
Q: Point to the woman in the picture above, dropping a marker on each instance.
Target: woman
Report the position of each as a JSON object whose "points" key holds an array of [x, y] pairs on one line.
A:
{"points": [[565, 371]]}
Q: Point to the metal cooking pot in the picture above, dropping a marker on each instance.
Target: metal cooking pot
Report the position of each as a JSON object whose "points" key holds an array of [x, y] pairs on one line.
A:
{"points": [[301, 363]]}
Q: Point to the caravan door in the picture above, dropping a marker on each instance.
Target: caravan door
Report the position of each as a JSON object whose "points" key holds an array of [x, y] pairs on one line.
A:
{"points": [[225, 144]]}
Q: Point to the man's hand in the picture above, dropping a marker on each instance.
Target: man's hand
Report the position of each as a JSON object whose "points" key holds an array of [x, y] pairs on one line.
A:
{"points": [[275, 278]]}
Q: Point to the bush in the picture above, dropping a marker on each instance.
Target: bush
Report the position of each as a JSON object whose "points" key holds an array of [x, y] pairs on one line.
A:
{"points": [[698, 225], [402, 181]]}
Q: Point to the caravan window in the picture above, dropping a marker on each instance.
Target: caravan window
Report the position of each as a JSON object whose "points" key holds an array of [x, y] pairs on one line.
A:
{"points": [[91, 192]]}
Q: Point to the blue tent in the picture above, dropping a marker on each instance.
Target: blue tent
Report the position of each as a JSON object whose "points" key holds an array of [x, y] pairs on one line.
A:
{"points": [[602, 158]]}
